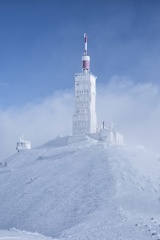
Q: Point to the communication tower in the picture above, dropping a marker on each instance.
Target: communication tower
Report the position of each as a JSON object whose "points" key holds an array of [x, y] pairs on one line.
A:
{"points": [[84, 117]]}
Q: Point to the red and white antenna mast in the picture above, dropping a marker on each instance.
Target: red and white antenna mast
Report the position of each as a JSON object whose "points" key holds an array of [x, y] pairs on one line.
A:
{"points": [[85, 57]]}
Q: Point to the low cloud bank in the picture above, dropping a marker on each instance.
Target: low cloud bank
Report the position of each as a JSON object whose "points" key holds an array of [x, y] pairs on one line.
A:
{"points": [[134, 109], [38, 122]]}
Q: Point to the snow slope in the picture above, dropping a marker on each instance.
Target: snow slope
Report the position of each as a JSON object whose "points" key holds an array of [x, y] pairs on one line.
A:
{"points": [[83, 190], [21, 235]]}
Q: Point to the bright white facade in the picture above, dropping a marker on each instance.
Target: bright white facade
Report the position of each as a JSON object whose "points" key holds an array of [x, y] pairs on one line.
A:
{"points": [[111, 136], [108, 135], [23, 144], [84, 117]]}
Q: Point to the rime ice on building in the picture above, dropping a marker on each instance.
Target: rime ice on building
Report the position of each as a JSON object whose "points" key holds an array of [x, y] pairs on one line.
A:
{"points": [[84, 117], [110, 135], [23, 144]]}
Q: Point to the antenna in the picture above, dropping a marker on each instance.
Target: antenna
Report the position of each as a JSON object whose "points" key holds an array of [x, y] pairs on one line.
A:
{"points": [[85, 44], [85, 57]]}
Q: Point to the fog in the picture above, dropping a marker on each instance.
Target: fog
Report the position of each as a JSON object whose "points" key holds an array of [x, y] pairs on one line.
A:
{"points": [[133, 108]]}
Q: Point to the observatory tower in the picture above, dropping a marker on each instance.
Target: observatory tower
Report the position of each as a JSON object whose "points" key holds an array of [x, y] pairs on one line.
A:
{"points": [[84, 117]]}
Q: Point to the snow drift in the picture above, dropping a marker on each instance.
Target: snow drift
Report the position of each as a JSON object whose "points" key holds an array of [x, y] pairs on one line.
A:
{"points": [[83, 190]]}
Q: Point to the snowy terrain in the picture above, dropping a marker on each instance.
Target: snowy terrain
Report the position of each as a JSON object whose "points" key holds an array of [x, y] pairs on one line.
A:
{"points": [[84, 190], [21, 235]]}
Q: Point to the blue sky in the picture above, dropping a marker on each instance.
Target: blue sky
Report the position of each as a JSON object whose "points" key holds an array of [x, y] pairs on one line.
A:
{"points": [[41, 44]]}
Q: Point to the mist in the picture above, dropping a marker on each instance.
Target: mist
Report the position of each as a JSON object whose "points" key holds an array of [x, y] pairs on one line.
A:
{"points": [[39, 122], [133, 108]]}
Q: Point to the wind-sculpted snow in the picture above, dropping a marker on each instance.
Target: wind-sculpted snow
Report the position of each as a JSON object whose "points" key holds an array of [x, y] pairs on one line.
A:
{"points": [[84, 190], [21, 235]]}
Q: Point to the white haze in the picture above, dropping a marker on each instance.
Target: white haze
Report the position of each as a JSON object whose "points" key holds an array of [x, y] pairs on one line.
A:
{"points": [[134, 108]]}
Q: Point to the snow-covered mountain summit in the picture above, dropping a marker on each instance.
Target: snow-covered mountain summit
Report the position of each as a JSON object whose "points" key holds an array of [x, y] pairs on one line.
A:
{"points": [[82, 190]]}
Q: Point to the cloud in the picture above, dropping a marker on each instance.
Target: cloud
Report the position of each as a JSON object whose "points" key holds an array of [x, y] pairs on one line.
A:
{"points": [[38, 122], [134, 108]]}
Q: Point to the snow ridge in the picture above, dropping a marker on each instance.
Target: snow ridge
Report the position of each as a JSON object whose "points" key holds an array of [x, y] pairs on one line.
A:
{"points": [[82, 190]]}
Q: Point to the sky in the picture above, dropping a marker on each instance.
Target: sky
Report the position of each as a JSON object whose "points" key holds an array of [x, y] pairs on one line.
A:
{"points": [[41, 45]]}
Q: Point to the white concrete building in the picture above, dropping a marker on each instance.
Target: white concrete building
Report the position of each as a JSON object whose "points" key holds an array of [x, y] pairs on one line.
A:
{"points": [[110, 135], [23, 144], [84, 117]]}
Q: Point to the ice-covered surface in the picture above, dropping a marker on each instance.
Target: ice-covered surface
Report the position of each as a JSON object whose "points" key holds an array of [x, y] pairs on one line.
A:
{"points": [[21, 235], [82, 191]]}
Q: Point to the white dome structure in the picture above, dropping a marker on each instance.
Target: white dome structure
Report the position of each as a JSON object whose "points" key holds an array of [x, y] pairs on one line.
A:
{"points": [[23, 144]]}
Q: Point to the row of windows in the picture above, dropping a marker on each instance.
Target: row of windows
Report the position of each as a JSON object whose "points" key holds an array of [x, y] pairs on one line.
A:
{"points": [[81, 124], [82, 98], [81, 130], [84, 105], [81, 118], [83, 85], [82, 111], [82, 92]]}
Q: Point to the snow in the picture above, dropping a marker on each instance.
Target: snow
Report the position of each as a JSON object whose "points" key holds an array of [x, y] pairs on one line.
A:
{"points": [[22, 235], [83, 190]]}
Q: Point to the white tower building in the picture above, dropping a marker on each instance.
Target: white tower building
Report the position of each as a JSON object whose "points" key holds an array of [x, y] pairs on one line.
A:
{"points": [[84, 117]]}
